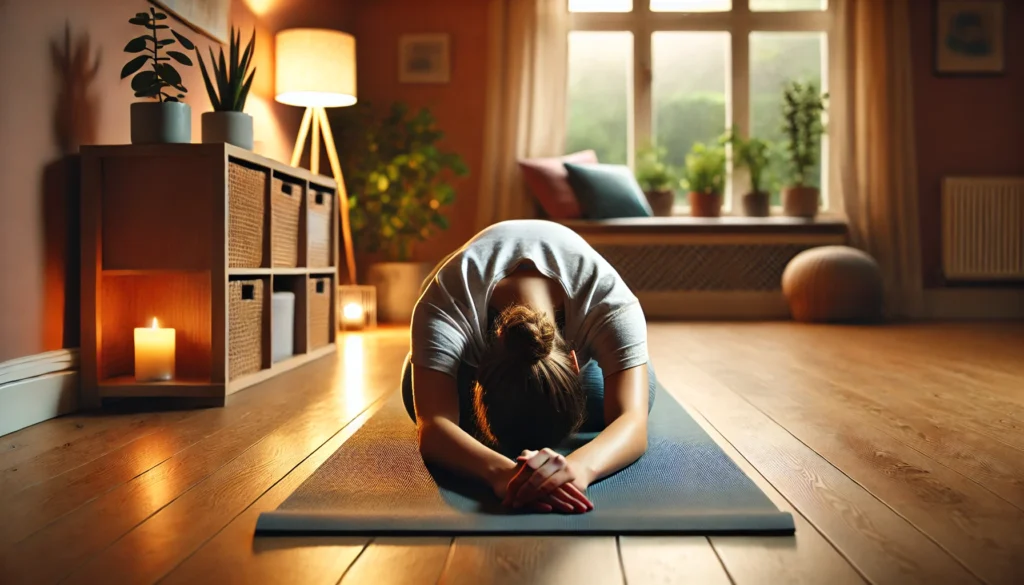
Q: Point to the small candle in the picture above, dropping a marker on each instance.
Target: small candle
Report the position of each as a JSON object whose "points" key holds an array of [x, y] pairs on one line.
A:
{"points": [[352, 316], [154, 353]]}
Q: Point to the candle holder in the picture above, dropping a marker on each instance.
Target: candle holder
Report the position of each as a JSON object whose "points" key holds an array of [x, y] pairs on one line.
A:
{"points": [[357, 307]]}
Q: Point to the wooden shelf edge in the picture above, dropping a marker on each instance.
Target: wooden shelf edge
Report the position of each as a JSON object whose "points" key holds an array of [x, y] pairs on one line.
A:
{"points": [[160, 390], [280, 368]]}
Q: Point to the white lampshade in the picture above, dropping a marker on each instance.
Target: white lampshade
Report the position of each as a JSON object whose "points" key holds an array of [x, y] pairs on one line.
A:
{"points": [[315, 68]]}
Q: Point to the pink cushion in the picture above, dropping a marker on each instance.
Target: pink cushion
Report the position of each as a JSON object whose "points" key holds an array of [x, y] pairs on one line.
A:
{"points": [[548, 181]]}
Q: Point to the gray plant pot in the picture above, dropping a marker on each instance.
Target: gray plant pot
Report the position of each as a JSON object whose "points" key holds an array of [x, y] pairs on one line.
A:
{"points": [[231, 127], [161, 122], [398, 288]]}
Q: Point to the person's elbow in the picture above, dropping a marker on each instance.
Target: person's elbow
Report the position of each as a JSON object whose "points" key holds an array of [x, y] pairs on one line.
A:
{"points": [[427, 437]]}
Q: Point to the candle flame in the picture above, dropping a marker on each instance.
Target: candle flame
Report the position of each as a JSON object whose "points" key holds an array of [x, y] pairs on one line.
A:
{"points": [[352, 311], [155, 326]]}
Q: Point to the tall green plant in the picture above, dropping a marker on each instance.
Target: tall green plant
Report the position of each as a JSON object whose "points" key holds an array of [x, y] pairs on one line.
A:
{"points": [[802, 109], [651, 170], [153, 82], [230, 75], [755, 155], [397, 176], [704, 169]]}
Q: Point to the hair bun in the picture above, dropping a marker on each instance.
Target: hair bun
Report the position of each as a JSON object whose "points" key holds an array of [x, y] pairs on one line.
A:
{"points": [[526, 334]]}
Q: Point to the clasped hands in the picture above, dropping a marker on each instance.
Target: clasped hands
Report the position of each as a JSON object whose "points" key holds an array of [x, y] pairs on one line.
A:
{"points": [[545, 481]]}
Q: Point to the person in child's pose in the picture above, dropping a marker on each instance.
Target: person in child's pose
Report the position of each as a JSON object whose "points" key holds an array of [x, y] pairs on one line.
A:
{"points": [[522, 337]]}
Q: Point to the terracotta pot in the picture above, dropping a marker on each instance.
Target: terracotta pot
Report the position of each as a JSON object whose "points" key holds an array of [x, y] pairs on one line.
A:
{"points": [[398, 288], [661, 202], [800, 201], [757, 204], [705, 204]]}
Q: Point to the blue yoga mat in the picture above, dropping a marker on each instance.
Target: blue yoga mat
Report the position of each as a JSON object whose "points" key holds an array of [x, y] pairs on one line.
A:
{"points": [[376, 484]]}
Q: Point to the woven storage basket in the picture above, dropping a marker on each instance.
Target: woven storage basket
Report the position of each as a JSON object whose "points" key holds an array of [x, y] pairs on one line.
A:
{"points": [[247, 190], [319, 302], [245, 327], [285, 202], [318, 227]]}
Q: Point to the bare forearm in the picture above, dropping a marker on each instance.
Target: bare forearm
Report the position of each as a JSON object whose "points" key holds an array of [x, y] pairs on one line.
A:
{"points": [[442, 442], [618, 445]]}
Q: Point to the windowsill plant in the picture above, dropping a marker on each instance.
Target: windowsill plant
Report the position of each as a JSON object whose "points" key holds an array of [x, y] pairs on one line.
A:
{"points": [[755, 156], [656, 179], [802, 109], [704, 179]]}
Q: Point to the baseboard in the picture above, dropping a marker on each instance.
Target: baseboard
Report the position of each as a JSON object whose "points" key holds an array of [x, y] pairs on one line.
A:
{"points": [[27, 402], [713, 305], [38, 365], [37, 388], [973, 304]]}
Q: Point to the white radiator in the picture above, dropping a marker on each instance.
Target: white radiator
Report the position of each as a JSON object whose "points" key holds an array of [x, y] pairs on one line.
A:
{"points": [[983, 228]]}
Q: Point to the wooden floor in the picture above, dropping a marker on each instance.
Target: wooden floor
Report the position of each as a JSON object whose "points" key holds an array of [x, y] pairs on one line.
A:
{"points": [[899, 450]]}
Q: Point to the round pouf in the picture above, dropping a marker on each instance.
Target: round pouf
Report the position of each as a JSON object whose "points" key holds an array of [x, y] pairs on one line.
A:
{"points": [[833, 284]]}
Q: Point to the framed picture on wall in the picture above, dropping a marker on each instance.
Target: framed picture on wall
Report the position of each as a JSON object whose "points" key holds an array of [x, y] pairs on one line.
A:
{"points": [[424, 59], [969, 37], [207, 17]]}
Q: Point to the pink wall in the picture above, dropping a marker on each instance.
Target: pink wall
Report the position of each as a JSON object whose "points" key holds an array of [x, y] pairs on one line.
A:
{"points": [[38, 208], [965, 125]]}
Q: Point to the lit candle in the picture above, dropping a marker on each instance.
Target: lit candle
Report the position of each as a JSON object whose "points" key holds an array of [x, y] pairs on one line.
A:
{"points": [[154, 353], [352, 316]]}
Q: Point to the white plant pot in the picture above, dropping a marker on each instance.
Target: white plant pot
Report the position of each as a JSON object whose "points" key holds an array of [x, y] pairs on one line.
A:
{"points": [[161, 122], [398, 288], [231, 127]]}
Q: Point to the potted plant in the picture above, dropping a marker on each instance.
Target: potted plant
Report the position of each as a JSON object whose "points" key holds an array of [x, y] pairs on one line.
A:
{"points": [[656, 179], [754, 155], [399, 182], [165, 118], [704, 178], [802, 109], [228, 122]]}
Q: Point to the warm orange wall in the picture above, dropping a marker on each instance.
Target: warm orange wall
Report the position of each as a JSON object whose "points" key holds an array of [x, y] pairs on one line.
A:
{"points": [[38, 245], [458, 105], [965, 125]]}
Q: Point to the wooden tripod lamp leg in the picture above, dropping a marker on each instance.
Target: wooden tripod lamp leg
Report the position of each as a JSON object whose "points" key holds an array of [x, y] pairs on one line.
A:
{"points": [[300, 142], [346, 228]]}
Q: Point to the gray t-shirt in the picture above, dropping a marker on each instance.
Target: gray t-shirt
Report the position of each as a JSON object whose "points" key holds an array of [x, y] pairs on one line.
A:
{"points": [[603, 319]]}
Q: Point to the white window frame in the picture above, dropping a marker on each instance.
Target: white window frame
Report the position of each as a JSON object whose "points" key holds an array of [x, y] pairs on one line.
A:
{"points": [[739, 22]]}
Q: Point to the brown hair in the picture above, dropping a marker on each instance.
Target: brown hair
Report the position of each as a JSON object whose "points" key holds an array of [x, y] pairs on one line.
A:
{"points": [[528, 393]]}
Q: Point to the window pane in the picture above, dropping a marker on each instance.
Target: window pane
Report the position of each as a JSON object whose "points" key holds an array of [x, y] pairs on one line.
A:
{"points": [[600, 88], [787, 5], [689, 90], [776, 59], [600, 5], [691, 5]]}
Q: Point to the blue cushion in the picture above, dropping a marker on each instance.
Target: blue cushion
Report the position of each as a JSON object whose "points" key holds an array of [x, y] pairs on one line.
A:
{"points": [[607, 191]]}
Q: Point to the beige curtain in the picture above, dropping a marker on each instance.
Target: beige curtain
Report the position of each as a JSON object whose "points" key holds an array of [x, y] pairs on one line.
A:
{"points": [[525, 100], [872, 128]]}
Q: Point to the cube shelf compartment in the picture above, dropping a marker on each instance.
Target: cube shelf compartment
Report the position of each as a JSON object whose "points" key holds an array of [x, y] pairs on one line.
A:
{"points": [[201, 236]]}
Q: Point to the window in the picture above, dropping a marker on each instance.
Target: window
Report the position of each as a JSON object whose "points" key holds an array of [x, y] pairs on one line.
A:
{"points": [[678, 72]]}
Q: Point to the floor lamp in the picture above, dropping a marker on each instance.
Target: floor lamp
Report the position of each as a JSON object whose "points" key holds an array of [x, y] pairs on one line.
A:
{"points": [[316, 69]]}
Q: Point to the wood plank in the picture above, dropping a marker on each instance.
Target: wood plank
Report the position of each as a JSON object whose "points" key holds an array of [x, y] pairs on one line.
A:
{"points": [[222, 437], [74, 454], [947, 438], [168, 537], [399, 561], [883, 546], [534, 560], [235, 555], [977, 527], [671, 561]]}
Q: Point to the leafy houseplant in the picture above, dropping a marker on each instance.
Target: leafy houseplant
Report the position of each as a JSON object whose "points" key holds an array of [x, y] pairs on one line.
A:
{"points": [[166, 118], [704, 178], [802, 109], [399, 182], [755, 155], [228, 90], [656, 178]]}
